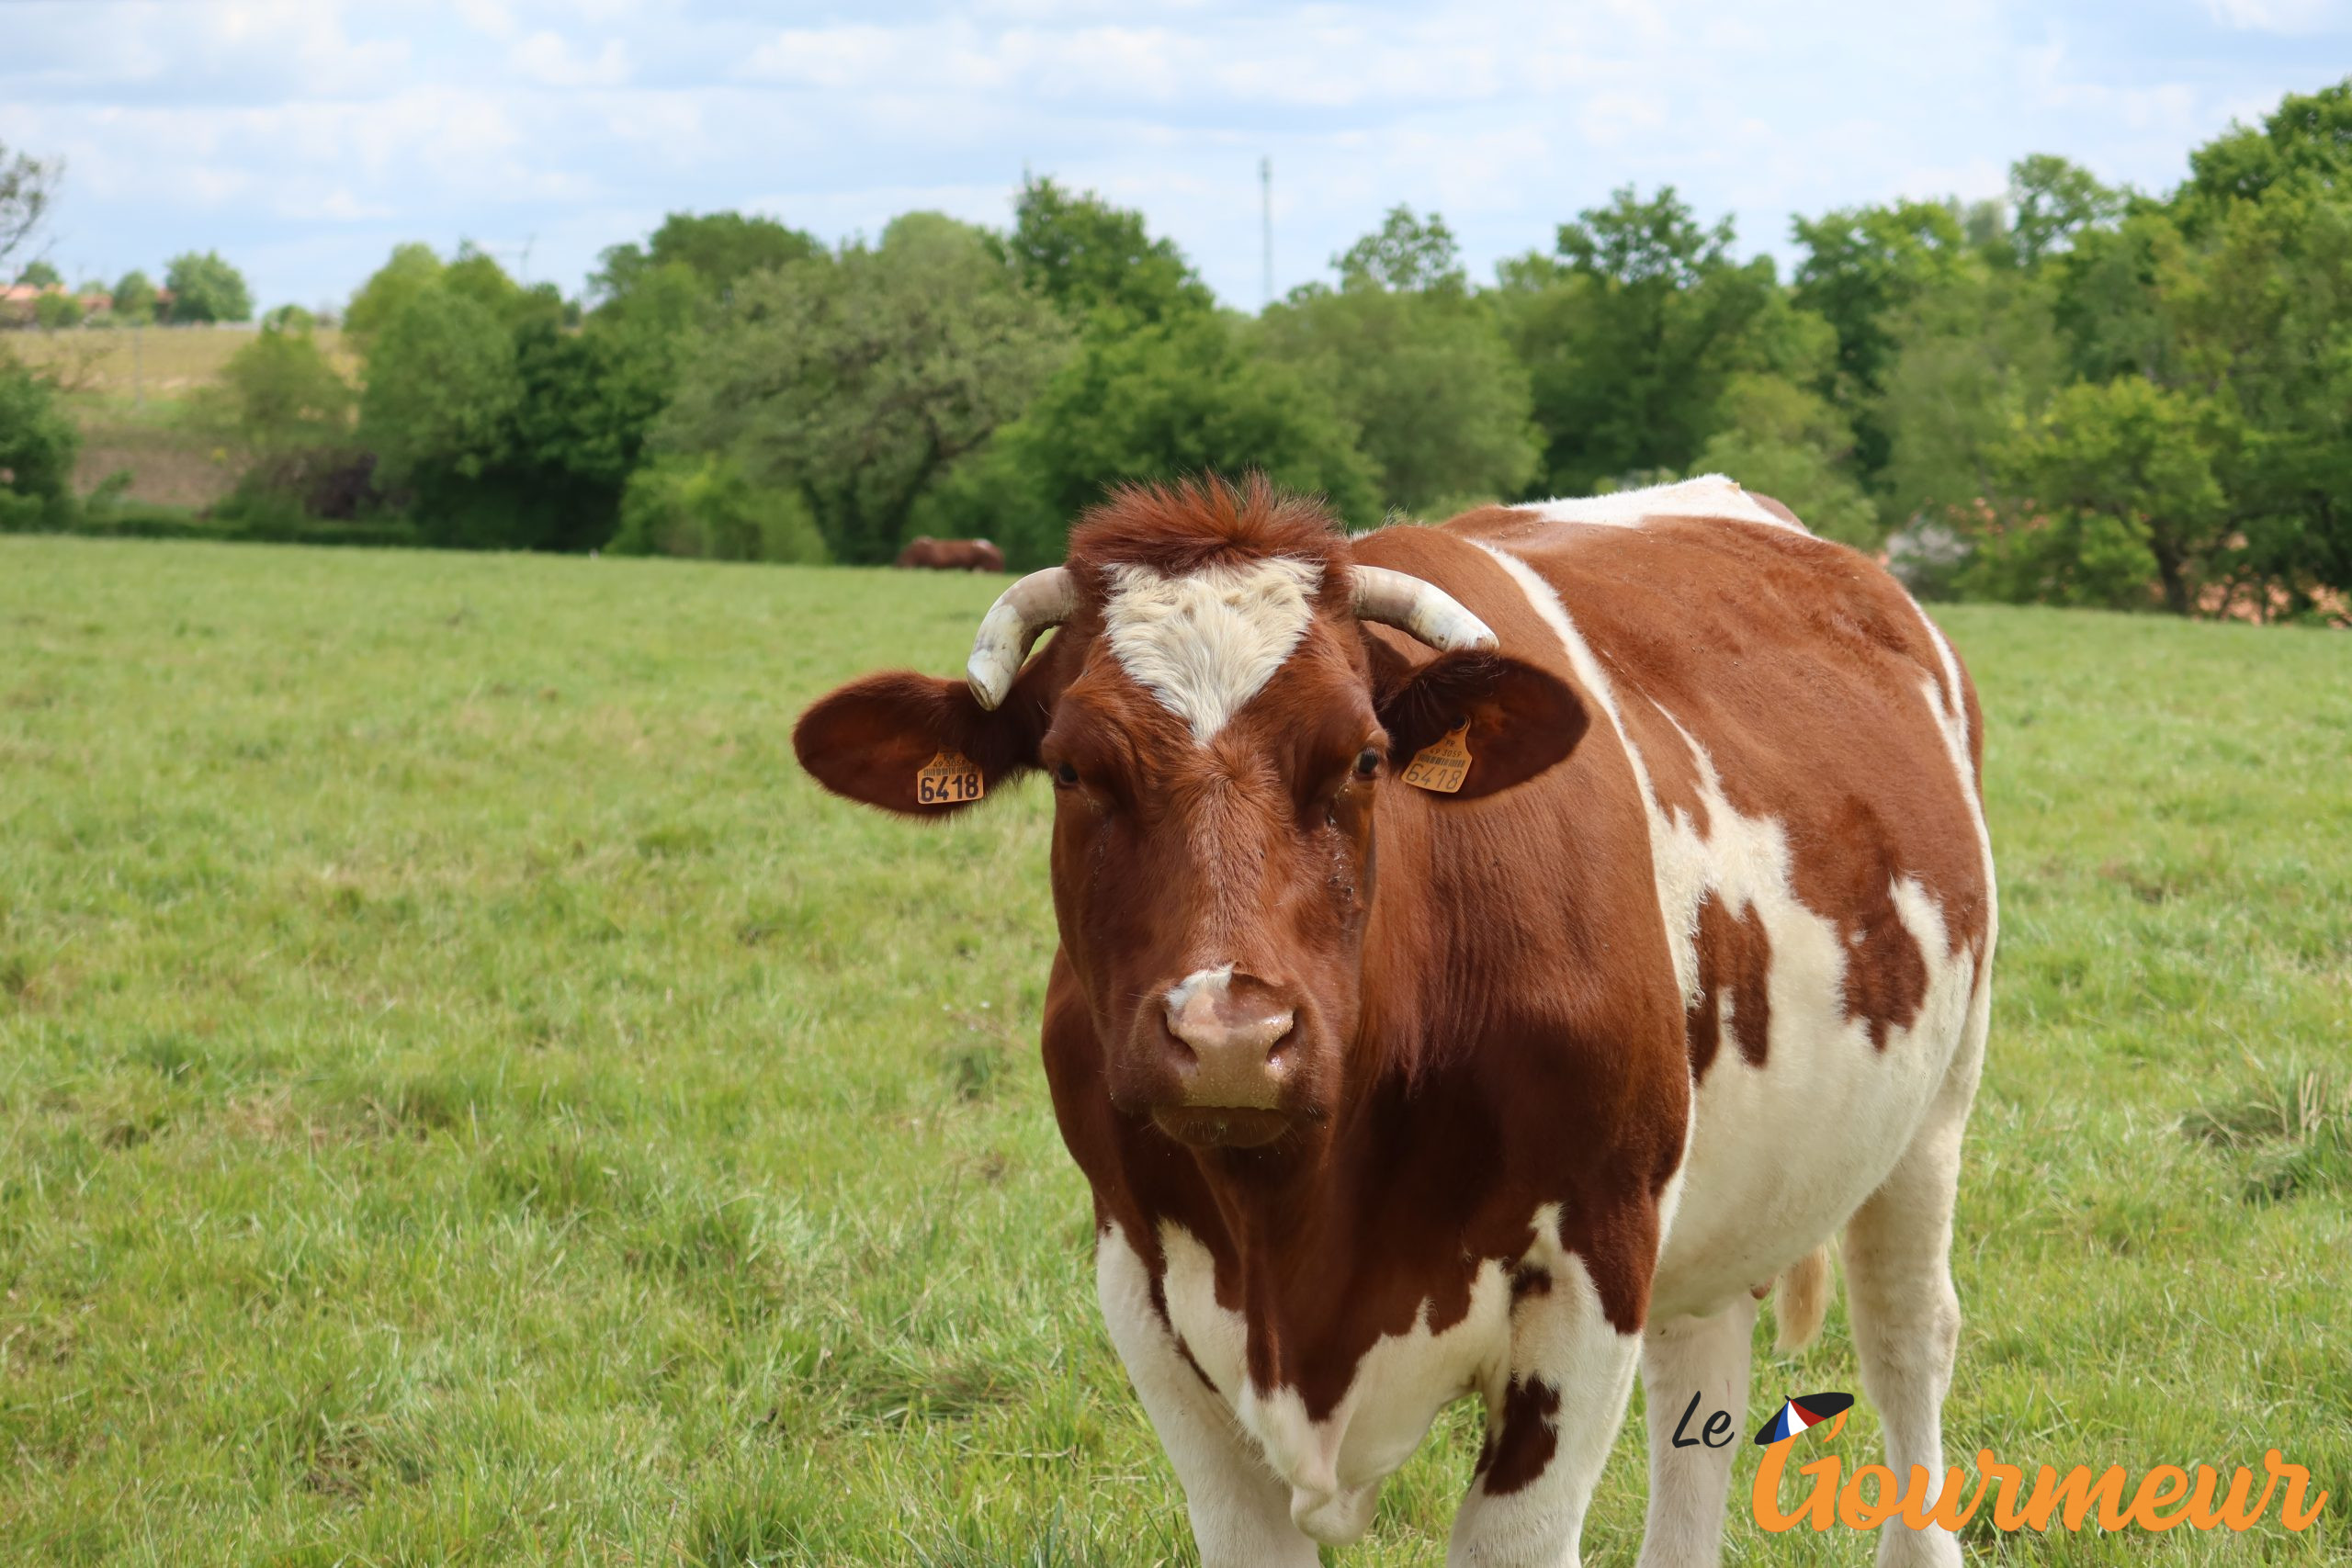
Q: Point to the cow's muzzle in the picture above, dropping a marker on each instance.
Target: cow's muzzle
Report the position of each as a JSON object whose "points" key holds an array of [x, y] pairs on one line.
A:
{"points": [[1229, 1049]]}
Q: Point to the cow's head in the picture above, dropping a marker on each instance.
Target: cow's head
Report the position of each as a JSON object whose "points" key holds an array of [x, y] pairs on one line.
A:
{"points": [[1220, 730]]}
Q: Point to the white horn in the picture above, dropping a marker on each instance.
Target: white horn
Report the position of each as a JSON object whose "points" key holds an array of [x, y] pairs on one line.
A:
{"points": [[1427, 612], [1013, 623]]}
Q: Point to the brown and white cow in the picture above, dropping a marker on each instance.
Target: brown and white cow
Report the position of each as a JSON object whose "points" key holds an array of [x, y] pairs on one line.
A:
{"points": [[1389, 1096], [951, 555]]}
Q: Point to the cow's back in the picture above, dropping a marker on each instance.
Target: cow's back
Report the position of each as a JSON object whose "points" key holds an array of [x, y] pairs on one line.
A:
{"points": [[1806, 745]]}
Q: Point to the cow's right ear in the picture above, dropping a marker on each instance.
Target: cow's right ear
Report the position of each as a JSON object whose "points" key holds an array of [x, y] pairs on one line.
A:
{"points": [[872, 739]]}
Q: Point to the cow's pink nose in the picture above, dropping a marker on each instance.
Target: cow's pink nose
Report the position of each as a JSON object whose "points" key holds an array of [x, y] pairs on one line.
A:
{"points": [[1233, 1028]]}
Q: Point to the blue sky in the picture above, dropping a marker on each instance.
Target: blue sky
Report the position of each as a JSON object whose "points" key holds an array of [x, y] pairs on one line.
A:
{"points": [[303, 138]]}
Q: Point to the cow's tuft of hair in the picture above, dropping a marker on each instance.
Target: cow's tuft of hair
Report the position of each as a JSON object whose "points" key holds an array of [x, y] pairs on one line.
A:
{"points": [[1176, 529]]}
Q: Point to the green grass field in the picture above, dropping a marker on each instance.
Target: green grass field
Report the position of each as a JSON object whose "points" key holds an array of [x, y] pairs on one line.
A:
{"points": [[466, 1097]]}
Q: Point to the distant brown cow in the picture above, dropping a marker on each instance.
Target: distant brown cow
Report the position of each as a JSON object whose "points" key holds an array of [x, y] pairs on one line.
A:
{"points": [[952, 554]]}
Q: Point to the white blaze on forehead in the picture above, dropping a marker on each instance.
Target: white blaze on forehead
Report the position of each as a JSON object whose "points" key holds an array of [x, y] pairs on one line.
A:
{"points": [[1208, 641]]}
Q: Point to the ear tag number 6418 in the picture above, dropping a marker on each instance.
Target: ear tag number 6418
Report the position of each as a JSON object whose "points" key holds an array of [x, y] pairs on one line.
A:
{"points": [[1445, 763], [949, 779]]}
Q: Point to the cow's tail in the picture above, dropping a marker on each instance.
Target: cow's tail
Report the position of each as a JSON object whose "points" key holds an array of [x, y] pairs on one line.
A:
{"points": [[1801, 1300]]}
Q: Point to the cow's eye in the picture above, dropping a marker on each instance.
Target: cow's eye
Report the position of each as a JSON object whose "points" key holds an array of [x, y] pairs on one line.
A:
{"points": [[1065, 774], [1367, 762]]}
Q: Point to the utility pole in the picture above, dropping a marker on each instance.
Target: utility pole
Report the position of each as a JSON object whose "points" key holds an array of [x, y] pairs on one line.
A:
{"points": [[1266, 207]]}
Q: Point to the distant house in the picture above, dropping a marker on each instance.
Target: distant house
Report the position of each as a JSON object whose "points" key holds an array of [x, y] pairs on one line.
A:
{"points": [[20, 302]]}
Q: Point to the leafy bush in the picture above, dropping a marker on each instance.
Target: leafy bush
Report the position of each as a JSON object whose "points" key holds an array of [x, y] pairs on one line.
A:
{"points": [[278, 394], [134, 298], [51, 312], [37, 447], [2085, 560], [206, 288], [704, 507]]}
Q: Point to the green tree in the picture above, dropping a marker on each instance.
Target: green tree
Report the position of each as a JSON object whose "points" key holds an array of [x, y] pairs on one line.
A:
{"points": [[205, 289], [475, 274], [1407, 255], [2307, 139], [717, 249], [441, 393], [2127, 460], [1186, 396], [1863, 266], [1789, 443], [134, 298], [2054, 200], [40, 274], [1440, 406], [861, 380], [1631, 333], [2260, 320], [1085, 254], [1974, 355], [412, 269], [28, 184]]}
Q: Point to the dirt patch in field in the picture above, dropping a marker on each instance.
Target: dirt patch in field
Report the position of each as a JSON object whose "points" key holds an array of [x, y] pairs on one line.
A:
{"points": [[165, 466]]}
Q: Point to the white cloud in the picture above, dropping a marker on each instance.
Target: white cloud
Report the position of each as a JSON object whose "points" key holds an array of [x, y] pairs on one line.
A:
{"points": [[310, 134], [547, 59], [2289, 17]]}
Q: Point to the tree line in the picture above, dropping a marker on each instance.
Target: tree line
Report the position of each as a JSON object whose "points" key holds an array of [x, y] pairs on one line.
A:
{"points": [[2075, 394]]}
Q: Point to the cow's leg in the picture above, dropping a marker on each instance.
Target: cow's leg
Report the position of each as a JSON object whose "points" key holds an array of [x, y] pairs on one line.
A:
{"points": [[1899, 1294], [1682, 1356], [1240, 1513], [1548, 1434]]}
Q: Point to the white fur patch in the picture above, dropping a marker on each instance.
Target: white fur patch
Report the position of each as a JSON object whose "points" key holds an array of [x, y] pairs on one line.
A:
{"points": [[1334, 1466], [1208, 641], [1710, 495], [1748, 1215], [1240, 1510], [1215, 982]]}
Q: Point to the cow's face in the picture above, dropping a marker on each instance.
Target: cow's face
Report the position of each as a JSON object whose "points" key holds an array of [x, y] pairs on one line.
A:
{"points": [[1220, 731]]}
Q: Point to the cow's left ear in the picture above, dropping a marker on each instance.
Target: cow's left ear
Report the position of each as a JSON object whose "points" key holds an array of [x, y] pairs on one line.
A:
{"points": [[874, 739], [1522, 719]]}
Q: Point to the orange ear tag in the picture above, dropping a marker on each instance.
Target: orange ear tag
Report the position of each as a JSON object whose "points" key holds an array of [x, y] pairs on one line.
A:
{"points": [[949, 779], [1443, 764]]}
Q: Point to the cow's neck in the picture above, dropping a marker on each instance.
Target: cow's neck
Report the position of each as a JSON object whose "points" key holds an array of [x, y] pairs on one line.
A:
{"points": [[1395, 1181]]}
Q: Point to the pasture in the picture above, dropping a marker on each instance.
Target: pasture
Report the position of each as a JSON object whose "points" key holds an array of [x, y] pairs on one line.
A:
{"points": [[128, 390], [162, 362], [465, 1097]]}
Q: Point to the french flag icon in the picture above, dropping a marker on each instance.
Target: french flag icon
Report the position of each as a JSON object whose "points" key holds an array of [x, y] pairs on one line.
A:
{"points": [[1797, 1413]]}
